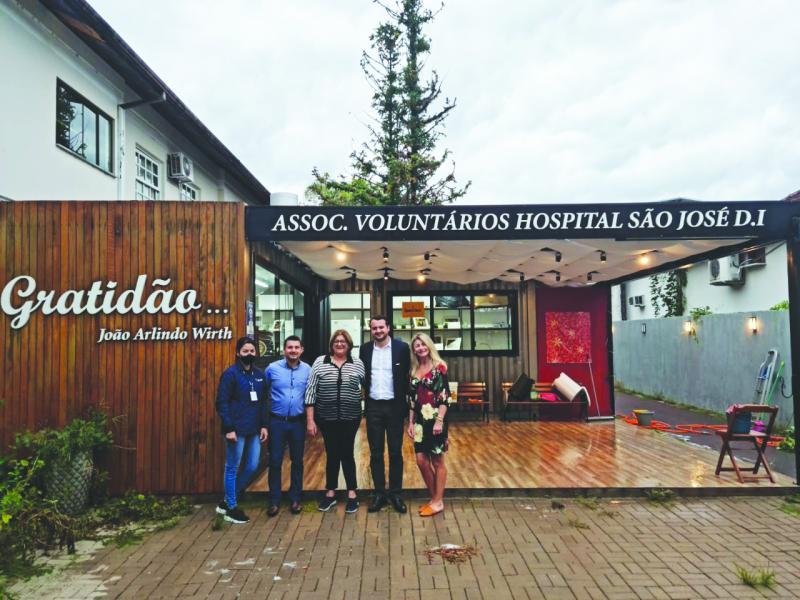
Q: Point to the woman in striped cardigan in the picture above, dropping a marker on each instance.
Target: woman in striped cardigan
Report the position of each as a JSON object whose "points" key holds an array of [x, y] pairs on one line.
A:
{"points": [[333, 404]]}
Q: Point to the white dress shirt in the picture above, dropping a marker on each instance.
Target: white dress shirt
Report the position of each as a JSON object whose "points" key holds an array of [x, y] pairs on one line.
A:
{"points": [[381, 384]]}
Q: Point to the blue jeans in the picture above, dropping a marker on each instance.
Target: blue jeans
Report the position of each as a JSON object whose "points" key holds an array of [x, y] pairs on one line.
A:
{"points": [[247, 447], [282, 433]]}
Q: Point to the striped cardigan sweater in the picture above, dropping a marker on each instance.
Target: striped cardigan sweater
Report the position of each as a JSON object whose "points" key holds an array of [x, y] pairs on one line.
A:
{"points": [[335, 393]]}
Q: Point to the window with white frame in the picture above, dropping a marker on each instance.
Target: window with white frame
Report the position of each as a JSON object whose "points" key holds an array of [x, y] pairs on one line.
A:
{"points": [[189, 192], [148, 177]]}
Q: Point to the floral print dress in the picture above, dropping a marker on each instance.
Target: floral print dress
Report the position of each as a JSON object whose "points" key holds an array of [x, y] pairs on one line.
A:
{"points": [[428, 393]]}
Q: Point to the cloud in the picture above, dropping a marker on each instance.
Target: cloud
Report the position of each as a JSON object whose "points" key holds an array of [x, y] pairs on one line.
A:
{"points": [[557, 102]]}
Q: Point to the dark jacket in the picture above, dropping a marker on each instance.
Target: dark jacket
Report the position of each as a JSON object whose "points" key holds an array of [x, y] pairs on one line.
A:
{"points": [[401, 367], [237, 411]]}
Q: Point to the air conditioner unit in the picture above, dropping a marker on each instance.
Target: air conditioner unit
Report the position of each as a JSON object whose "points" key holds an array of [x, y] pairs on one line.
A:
{"points": [[724, 271], [637, 301], [757, 257], [180, 167]]}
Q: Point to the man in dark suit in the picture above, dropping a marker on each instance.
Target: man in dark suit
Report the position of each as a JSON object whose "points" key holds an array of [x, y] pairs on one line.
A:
{"points": [[387, 365]]}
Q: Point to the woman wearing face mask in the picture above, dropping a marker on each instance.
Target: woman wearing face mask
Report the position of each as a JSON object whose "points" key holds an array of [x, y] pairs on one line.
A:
{"points": [[243, 406], [333, 403], [427, 419]]}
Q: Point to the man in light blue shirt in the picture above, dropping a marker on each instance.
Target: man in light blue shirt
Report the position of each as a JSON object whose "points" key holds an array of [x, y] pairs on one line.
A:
{"points": [[287, 379]]}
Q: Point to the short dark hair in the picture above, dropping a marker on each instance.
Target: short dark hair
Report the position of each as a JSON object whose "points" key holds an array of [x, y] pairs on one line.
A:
{"points": [[243, 341], [293, 338], [378, 318]]}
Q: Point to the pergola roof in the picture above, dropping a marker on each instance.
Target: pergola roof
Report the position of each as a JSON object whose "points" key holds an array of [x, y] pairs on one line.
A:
{"points": [[476, 261], [560, 245]]}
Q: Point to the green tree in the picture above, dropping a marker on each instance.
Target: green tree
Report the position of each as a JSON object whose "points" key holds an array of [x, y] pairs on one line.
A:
{"points": [[399, 163]]}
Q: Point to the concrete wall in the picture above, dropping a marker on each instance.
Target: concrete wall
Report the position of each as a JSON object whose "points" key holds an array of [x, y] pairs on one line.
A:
{"points": [[763, 287], [719, 369]]}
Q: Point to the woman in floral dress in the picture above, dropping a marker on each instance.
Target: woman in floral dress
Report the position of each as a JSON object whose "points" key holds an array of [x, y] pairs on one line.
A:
{"points": [[427, 422]]}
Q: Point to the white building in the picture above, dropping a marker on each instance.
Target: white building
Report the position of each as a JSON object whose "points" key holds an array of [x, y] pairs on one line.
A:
{"points": [[82, 117], [747, 281]]}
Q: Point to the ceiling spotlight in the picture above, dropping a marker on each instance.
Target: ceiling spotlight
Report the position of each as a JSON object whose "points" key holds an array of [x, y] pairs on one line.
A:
{"points": [[556, 252], [385, 253], [522, 277], [644, 259], [590, 274], [386, 274], [421, 278], [341, 256], [558, 276], [427, 256], [602, 256]]}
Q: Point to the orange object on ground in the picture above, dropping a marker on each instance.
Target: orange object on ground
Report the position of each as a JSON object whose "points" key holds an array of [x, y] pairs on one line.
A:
{"points": [[699, 428]]}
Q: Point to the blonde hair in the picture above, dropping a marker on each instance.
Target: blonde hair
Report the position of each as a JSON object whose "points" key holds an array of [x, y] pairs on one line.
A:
{"points": [[434, 353], [347, 338]]}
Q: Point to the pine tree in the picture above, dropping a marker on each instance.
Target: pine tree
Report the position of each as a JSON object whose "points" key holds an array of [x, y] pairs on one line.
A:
{"points": [[399, 164]]}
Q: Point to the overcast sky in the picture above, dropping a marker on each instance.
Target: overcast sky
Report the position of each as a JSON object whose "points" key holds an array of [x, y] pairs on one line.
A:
{"points": [[556, 101]]}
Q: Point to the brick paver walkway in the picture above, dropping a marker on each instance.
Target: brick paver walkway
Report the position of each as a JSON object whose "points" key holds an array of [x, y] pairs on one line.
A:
{"points": [[526, 549]]}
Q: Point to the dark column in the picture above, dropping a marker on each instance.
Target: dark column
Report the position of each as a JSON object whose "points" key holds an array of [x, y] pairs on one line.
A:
{"points": [[610, 350], [793, 255]]}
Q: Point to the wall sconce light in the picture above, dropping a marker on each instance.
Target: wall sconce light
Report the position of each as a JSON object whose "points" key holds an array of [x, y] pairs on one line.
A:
{"points": [[522, 277], [754, 324], [558, 276], [591, 274], [644, 328], [644, 259], [558, 256], [688, 326], [423, 275], [386, 274], [385, 253], [603, 257]]}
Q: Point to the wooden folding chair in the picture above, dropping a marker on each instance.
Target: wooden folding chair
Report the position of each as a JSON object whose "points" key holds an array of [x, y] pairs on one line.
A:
{"points": [[759, 440]]}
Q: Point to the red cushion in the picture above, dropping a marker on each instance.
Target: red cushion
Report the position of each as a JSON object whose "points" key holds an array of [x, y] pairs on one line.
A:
{"points": [[548, 397]]}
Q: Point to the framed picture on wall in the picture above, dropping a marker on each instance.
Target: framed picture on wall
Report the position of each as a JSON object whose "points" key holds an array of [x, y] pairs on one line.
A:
{"points": [[420, 323]]}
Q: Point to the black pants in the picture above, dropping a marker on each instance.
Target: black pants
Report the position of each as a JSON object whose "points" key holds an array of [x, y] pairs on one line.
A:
{"points": [[340, 440], [385, 421]]}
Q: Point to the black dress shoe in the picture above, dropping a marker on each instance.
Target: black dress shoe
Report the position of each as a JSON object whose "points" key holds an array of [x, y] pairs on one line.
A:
{"points": [[295, 508], [272, 510], [399, 505], [378, 502]]}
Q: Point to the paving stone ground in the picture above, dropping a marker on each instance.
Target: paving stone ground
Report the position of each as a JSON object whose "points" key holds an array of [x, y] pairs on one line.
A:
{"points": [[621, 549]]}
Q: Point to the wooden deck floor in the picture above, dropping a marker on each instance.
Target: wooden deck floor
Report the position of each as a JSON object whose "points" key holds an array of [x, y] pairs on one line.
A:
{"points": [[521, 455]]}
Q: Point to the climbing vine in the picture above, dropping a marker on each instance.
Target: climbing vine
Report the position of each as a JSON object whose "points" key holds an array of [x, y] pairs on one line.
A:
{"points": [[666, 293]]}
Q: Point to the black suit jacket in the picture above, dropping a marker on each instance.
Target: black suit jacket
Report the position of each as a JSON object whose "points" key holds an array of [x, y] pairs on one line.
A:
{"points": [[401, 367]]}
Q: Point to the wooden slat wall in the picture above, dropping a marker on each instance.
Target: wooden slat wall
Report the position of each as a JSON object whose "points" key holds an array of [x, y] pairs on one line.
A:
{"points": [[161, 394], [491, 369]]}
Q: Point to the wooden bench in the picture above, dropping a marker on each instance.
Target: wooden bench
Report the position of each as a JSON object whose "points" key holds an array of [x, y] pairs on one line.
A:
{"points": [[568, 392], [472, 395]]}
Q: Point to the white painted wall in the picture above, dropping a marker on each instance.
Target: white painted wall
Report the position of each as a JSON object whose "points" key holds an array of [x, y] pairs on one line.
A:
{"points": [[31, 59], [763, 288], [35, 51]]}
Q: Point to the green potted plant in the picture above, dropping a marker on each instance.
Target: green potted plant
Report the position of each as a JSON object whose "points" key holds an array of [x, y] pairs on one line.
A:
{"points": [[68, 456]]}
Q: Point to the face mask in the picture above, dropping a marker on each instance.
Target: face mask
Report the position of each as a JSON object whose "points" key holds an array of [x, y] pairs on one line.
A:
{"points": [[247, 359]]}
